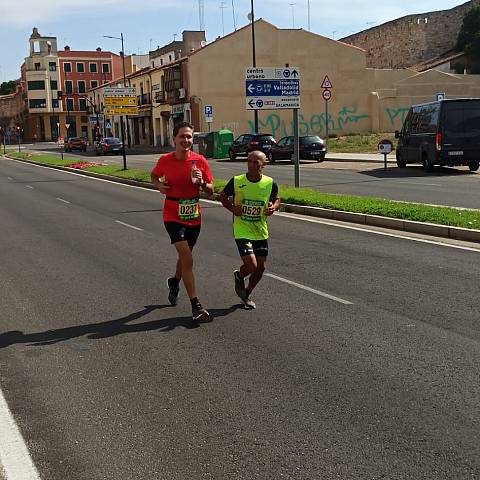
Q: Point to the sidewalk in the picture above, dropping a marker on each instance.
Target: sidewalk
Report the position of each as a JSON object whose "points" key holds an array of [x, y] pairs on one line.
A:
{"points": [[359, 157], [149, 150]]}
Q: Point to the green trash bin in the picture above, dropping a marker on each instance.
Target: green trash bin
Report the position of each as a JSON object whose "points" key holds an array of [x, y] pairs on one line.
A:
{"points": [[222, 141]]}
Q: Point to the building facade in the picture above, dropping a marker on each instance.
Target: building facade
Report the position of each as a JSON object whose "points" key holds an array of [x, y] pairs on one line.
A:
{"points": [[56, 84], [41, 80], [12, 107]]}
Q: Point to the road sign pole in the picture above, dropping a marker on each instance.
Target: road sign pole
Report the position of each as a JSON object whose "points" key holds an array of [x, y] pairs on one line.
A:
{"points": [[296, 156], [326, 125], [122, 129]]}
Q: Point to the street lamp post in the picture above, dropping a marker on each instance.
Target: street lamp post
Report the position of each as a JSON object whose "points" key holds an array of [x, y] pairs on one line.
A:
{"points": [[122, 126], [67, 122], [3, 131], [95, 111], [252, 19], [18, 136]]}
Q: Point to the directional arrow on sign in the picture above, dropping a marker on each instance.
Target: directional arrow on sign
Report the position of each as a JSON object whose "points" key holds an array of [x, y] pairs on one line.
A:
{"points": [[294, 73], [251, 88], [251, 103]]}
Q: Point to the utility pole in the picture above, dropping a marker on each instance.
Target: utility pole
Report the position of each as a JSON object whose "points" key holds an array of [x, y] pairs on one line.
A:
{"points": [[252, 19], [122, 126], [308, 13], [222, 7], [233, 13]]}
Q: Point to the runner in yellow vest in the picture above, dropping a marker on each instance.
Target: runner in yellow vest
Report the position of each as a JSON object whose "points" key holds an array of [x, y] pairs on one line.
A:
{"points": [[251, 197]]}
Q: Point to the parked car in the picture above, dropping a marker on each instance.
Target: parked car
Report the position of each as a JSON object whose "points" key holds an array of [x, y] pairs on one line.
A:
{"points": [[108, 145], [248, 142], [75, 143], [446, 132], [311, 147]]}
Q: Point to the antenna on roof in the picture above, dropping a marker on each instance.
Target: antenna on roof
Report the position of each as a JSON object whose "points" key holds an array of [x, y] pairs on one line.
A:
{"points": [[201, 14], [233, 13]]}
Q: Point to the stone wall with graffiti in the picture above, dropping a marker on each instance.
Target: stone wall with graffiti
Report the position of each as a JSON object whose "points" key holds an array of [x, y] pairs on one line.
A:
{"points": [[392, 116], [345, 119]]}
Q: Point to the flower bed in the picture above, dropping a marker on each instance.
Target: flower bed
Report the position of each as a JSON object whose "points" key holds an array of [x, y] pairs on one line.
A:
{"points": [[81, 165]]}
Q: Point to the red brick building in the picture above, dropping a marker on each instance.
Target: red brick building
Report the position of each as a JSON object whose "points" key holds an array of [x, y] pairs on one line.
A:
{"points": [[79, 72]]}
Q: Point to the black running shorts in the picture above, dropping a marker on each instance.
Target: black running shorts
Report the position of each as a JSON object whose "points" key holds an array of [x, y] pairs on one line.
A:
{"points": [[179, 232], [259, 248]]}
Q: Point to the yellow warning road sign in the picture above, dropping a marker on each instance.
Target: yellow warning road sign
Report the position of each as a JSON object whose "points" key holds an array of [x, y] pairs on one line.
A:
{"points": [[121, 111], [120, 101]]}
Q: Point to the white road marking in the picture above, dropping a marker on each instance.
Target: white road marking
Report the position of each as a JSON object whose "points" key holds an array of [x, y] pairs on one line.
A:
{"points": [[129, 226], [29, 186], [62, 200], [14, 456], [10, 178], [376, 232], [418, 183], [308, 289]]}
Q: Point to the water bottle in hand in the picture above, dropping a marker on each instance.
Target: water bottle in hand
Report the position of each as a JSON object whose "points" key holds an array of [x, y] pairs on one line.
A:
{"points": [[195, 179]]}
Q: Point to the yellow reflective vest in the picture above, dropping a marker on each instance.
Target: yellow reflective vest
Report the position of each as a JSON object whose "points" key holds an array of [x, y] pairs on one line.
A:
{"points": [[253, 197]]}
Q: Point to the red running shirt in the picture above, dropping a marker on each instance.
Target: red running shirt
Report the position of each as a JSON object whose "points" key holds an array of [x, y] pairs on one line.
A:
{"points": [[178, 173]]}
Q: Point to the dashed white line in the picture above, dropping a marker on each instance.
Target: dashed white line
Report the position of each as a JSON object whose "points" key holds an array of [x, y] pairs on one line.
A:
{"points": [[14, 456], [405, 182], [308, 289], [129, 226], [10, 178], [62, 200], [29, 186]]}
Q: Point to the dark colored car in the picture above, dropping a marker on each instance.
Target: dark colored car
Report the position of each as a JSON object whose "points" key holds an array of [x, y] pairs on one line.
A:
{"points": [[311, 147], [248, 142], [446, 132], [108, 145], [76, 143]]}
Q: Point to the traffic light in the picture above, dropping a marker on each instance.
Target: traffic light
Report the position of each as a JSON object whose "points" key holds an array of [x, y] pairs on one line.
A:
{"points": [[59, 94]]}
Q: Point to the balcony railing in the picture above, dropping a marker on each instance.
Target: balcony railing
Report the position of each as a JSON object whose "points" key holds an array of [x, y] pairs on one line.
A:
{"points": [[160, 97], [144, 99]]}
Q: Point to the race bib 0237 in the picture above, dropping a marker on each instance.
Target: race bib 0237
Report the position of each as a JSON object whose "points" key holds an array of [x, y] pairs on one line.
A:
{"points": [[188, 209]]}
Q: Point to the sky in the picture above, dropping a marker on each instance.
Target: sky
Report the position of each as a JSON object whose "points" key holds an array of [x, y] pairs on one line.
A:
{"points": [[146, 24]]}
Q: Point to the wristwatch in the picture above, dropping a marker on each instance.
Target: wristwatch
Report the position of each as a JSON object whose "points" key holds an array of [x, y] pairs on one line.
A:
{"points": [[203, 184]]}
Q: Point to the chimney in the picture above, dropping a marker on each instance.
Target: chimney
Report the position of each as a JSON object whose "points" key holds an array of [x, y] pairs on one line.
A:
{"points": [[99, 49], [67, 48]]}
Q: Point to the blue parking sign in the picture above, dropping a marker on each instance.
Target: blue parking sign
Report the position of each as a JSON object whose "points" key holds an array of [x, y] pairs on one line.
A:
{"points": [[208, 109]]}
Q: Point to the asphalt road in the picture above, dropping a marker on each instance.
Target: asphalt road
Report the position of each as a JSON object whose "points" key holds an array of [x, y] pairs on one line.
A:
{"points": [[370, 372], [456, 187]]}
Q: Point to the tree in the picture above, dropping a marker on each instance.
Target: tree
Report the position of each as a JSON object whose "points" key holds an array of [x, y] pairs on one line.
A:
{"points": [[8, 87], [469, 38]]}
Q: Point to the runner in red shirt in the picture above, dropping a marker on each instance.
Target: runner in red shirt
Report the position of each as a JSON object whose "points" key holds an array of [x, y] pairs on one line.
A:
{"points": [[180, 176]]}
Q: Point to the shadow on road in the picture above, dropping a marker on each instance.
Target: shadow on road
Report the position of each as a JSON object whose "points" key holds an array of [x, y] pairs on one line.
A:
{"points": [[111, 328], [415, 172]]}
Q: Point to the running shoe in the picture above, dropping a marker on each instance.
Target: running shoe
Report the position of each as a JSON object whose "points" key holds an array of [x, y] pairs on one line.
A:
{"points": [[199, 313], [239, 285], [249, 303], [173, 289]]}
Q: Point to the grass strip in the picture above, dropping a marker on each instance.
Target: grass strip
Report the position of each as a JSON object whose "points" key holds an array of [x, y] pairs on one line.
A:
{"points": [[455, 217], [359, 143]]}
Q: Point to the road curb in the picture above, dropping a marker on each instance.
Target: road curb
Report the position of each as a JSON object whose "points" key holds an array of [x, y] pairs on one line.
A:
{"points": [[456, 233], [445, 231]]}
